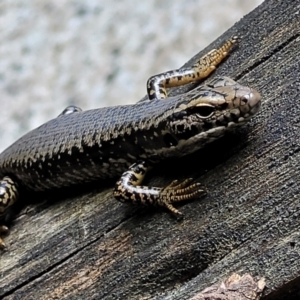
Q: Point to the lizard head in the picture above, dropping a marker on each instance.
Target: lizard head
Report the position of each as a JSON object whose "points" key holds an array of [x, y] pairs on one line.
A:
{"points": [[213, 110], [206, 113]]}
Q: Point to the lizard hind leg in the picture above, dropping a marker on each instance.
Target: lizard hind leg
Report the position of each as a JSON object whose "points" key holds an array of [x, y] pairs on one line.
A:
{"points": [[128, 189], [8, 196], [157, 84]]}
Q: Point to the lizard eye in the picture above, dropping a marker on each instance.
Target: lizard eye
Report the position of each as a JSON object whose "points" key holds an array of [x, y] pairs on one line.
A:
{"points": [[204, 111]]}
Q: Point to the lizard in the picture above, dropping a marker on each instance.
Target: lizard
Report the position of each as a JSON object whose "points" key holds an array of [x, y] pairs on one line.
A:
{"points": [[125, 141]]}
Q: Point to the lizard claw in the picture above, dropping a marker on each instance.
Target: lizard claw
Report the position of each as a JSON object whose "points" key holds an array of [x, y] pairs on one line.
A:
{"points": [[179, 191]]}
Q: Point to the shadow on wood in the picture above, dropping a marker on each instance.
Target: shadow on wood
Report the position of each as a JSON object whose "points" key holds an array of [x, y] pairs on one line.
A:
{"points": [[90, 246]]}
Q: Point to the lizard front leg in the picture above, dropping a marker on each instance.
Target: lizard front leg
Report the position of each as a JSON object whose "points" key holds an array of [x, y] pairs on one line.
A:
{"points": [[8, 196], [129, 189]]}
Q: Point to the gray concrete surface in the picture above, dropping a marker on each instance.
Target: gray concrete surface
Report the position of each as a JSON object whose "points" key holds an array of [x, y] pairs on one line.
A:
{"points": [[95, 53]]}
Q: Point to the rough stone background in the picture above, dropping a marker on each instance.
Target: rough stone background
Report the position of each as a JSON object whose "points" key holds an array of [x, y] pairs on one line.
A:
{"points": [[95, 53]]}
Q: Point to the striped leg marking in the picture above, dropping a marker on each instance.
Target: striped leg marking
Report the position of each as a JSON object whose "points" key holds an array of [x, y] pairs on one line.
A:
{"points": [[8, 196], [157, 84], [128, 189]]}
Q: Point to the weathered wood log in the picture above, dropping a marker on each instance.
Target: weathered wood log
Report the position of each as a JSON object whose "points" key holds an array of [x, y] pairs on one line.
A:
{"points": [[90, 246]]}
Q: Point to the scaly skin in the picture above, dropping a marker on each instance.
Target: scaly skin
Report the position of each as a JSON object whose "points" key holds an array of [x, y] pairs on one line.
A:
{"points": [[82, 146]]}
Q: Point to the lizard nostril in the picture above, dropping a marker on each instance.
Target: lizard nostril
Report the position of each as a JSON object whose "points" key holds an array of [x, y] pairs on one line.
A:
{"points": [[244, 100]]}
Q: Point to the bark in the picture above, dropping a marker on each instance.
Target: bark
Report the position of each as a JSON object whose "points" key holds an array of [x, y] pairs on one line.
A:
{"points": [[89, 246]]}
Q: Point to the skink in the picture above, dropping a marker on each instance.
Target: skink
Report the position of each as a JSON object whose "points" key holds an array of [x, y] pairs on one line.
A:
{"points": [[124, 141]]}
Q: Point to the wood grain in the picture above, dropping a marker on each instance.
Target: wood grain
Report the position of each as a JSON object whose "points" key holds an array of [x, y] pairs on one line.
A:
{"points": [[90, 246]]}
